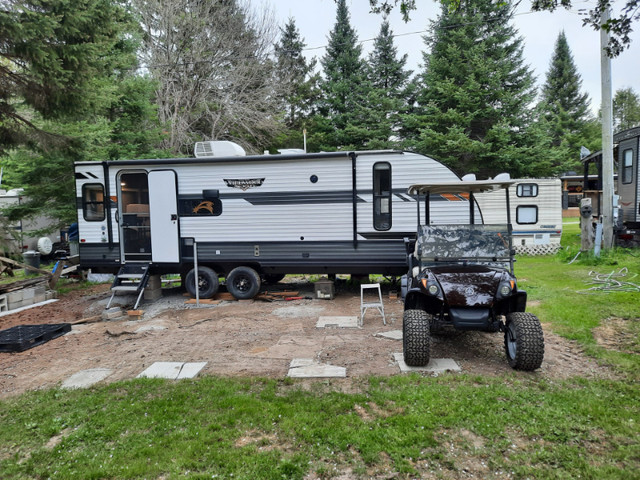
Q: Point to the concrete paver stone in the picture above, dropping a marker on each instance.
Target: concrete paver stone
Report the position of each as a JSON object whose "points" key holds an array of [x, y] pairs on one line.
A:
{"points": [[86, 378], [339, 322], [309, 368], [435, 365]]}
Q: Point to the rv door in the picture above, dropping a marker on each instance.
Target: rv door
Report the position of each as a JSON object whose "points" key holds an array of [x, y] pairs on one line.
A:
{"points": [[163, 211]]}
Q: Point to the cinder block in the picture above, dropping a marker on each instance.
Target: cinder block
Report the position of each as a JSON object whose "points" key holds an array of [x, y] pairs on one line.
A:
{"points": [[40, 297], [28, 293], [4, 305], [40, 290], [15, 305], [51, 295], [153, 294], [154, 282], [14, 297], [112, 313]]}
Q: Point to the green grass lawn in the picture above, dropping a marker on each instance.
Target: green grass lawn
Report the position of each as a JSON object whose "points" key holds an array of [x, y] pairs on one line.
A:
{"points": [[513, 426]]}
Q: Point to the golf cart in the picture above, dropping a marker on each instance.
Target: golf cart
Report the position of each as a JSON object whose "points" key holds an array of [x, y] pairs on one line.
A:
{"points": [[461, 277]]}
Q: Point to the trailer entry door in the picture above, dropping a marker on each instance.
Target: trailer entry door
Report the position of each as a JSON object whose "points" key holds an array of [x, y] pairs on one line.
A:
{"points": [[135, 227], [164, 216]]}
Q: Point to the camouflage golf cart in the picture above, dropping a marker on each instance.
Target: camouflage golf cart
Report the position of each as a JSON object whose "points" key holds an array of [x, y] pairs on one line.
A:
{"points": [[461, 278]]}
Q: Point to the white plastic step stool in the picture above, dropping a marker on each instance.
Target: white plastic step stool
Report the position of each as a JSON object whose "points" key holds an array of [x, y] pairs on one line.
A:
{"points": [[378, 305]]}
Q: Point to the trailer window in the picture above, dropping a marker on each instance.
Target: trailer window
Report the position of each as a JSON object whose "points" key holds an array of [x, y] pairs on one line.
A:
{"points": [[527, 190], [527, 214], [627, 166], [93, 202], [382, 196]]}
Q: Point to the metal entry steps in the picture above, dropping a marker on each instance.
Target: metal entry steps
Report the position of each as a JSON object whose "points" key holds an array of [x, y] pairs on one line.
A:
{"points": [[131, 278]]}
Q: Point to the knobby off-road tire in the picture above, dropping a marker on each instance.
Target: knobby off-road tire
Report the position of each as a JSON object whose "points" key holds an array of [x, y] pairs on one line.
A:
{"points": [[416, 340], [524, 341], [207, 282], [243, 283]]}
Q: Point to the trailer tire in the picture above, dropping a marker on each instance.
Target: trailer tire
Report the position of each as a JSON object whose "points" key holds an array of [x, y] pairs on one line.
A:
{"points": [[243, 283], [524, 341], [207, 282], [416, 339]]}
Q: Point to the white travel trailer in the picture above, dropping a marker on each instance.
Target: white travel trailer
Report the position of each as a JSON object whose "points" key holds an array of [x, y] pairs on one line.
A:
{"points": [[253, 218], [536, 212], [18, 238]]}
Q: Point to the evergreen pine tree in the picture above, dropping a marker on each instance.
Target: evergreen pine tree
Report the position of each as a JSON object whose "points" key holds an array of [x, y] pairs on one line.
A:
{"points": [[297, 76], [343, 88], [386, 98], [475, 93], [561, 92], [565, 110]]}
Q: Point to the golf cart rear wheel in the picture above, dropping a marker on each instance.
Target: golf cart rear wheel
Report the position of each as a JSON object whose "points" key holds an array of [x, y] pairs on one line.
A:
{"points": [[207, 282], [524, 341], [416, 340], [243, 283]]}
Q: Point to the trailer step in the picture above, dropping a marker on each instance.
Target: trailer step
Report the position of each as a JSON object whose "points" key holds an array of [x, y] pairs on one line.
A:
{"points": [[132, 278], [124, 288]]}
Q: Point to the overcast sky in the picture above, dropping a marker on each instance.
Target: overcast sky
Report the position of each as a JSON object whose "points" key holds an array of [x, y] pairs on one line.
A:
{"points": [[316, 18]]}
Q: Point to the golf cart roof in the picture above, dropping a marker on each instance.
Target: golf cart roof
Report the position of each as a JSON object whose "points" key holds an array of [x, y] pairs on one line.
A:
{"points": [[463, 186]]}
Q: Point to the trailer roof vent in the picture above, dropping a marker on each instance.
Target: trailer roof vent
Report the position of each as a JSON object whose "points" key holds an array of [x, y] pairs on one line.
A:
{"points": [[220, 148]]}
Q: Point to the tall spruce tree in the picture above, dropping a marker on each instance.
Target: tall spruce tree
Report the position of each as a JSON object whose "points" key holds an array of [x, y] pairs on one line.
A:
{"points": [[566, 110], [300, 84], [475, 94], [386, 98], [343, 89]]}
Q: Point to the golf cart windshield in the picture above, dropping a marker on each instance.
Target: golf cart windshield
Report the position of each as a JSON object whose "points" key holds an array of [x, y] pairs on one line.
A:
{"points": [[476, 243]]}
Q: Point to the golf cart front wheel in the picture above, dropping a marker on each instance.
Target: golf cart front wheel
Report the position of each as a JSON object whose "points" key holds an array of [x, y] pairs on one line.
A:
{"points": [[416, 340], [524, 341]]}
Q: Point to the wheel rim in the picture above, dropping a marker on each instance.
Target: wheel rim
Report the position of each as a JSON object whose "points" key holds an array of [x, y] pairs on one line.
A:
{"points": [[242, 283], [203, 283], [512, 346]]}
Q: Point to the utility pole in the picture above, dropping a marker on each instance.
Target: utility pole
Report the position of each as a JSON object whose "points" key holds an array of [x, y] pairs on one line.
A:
{"points": [[607, 133]]}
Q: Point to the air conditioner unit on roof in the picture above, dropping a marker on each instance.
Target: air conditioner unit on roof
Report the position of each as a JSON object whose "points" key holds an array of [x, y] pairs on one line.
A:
{"points": [[219, 148]]}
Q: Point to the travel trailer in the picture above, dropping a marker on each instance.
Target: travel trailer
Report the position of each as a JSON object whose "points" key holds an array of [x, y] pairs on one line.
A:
{"points": [[18, 238], [536, 212], [627, 186], [253, 218], [628, 183]]}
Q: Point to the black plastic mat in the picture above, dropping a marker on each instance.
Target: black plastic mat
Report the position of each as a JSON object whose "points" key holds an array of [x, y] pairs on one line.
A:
{"points": [[23, 337]]}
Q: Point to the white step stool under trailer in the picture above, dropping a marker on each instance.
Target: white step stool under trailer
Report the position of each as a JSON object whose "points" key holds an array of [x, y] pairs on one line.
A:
{"points": [[364, 306]]}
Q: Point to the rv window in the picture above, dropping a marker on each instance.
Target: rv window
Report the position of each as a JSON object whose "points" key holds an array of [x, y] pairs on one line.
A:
{"points": [[93, 202], [382, 196], [627, 166], [527, 190], [527, 214]]}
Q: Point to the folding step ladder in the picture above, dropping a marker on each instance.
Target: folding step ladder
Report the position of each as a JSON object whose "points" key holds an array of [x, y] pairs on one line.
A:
{"points": [[132, 278]]}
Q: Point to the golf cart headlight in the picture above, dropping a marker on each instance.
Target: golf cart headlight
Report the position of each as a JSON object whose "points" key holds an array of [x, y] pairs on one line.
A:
{"points": [[430, 286], [506, 288]]}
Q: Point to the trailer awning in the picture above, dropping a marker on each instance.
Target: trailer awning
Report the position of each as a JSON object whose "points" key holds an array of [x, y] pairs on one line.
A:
{"points": [[475, 186]]}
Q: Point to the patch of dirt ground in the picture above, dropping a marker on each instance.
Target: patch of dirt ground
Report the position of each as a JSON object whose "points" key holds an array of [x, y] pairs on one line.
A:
{"points": [[247, 338]]}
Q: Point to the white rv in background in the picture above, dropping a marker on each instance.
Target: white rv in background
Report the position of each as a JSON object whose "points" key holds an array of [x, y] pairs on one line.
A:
{"points": [[536, 213], [18, 237], [258, 217]]}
